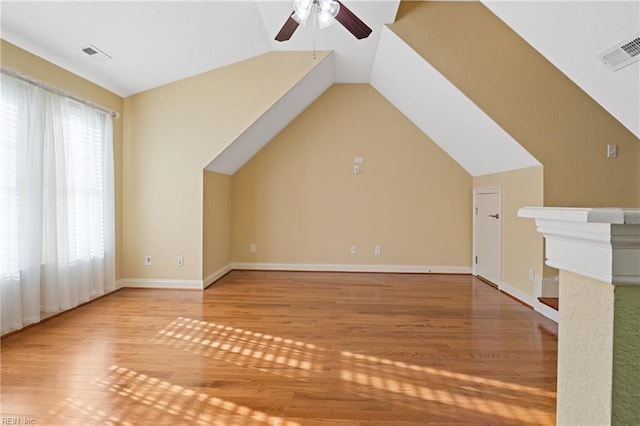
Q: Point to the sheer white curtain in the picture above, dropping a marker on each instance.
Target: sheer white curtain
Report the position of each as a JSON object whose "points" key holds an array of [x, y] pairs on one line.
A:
{"points": [[20, 204], [56, 203]]}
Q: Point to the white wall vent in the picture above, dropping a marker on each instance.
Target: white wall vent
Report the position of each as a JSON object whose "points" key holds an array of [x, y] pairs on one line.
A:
{"points": [[95, 53], [623, 53]]}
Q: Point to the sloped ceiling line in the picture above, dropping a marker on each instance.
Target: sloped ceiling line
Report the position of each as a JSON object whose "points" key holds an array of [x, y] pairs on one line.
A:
{"points": [[443, 112], [571, 34], [418, 90], [276, 118], [155, 43]]}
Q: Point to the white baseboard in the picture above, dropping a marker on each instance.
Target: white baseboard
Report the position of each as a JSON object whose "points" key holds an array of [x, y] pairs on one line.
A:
{"points": [[210, 279], [532, 301], [324, 267], [518, 294], [159, 283], [544, 287], [199, 285], [547, 311]]}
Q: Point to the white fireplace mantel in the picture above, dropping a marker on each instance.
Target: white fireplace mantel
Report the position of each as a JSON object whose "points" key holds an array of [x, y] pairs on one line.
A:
{"points": [[601, 243]]}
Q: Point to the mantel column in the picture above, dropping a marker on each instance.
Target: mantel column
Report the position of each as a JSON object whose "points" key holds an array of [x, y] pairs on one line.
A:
{"points": [[598, 254]]}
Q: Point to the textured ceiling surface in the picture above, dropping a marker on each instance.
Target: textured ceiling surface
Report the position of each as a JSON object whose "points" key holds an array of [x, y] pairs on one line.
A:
{"points": [[571, 34], [155, 43]]}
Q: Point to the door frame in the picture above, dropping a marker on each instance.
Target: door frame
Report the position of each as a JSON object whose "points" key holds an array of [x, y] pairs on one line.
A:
{"points": [[476, 192]]}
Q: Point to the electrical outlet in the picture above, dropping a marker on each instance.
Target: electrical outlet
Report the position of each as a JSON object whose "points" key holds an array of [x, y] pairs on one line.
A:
{"points": [[353, 249], [531, 275], [180, 261], [612, 151], [377, 250], [147, 260], [356, 169], [252, 247]]}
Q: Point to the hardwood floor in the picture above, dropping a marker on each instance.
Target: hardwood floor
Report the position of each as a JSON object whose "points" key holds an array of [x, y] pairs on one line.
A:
{"points": [[289, 348]]}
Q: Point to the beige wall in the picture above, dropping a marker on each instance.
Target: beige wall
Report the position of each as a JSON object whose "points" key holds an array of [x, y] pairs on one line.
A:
{"points": [[565, 129], [170, 135], [522, 245], [299, 201], [16, 59], [598, 352], [585, 357], [216, 230]]}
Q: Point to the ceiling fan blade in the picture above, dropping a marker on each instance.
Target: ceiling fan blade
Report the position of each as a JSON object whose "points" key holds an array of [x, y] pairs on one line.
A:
{"points": [[352, 23], [287, 29]]}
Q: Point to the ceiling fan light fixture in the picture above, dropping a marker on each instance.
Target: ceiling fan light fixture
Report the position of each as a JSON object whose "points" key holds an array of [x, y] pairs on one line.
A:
{"points": [[301, 11], [327, 12]]}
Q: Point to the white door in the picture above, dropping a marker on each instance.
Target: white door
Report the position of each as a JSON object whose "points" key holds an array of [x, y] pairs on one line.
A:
{"points": [[488, 234]]}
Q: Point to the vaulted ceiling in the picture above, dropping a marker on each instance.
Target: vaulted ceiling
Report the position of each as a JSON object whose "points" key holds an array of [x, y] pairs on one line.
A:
{"points": [[154, 43], [571, 35]]}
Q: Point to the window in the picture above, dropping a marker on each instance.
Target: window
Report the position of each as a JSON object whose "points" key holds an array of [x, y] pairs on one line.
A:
{"points": [[56, 202], [9, 114], [80, 186]]}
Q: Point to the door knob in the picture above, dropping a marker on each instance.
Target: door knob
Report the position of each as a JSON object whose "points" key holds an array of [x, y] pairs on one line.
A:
{"points": [[495, 216]]}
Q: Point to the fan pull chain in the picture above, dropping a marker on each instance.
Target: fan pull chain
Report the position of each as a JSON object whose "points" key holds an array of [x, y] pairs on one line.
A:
{"points": [[315, 32]]}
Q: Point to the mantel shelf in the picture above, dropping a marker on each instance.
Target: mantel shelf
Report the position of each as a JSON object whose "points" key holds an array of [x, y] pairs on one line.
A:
{"points": [[618, 216], [600, 243]]}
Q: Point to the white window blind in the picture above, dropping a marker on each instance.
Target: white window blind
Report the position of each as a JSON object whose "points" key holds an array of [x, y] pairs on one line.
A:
{"points": [[12, 113], [56, 202]]}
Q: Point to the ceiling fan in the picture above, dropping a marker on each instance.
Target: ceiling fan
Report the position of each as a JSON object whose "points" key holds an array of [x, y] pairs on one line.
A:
{"points": [[327, 12]]}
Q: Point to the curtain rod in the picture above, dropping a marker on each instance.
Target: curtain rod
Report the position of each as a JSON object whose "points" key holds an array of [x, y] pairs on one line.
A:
{"points": [[54, 90]]}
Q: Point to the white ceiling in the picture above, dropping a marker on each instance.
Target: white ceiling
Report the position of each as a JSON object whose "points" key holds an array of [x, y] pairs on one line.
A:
{"points": [[155, 43], [570, 34], [353, 57], [151, 43], [443, 112], [276, 118]]}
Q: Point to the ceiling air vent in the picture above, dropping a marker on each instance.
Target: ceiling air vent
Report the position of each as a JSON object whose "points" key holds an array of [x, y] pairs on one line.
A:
{"points": [[622, 54], [95, 53]]}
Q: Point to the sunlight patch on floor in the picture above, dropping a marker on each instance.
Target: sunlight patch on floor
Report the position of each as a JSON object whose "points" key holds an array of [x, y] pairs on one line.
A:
{"points": [[470, 391], [71, 409], [239, 346], [175, 404], [449, 374], [257, 350]]}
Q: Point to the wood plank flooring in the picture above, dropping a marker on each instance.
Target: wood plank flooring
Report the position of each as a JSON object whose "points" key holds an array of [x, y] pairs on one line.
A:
{"points": [[287, 348]]}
